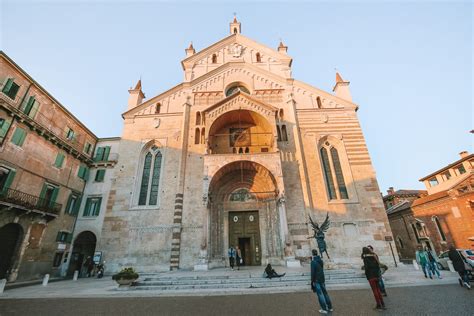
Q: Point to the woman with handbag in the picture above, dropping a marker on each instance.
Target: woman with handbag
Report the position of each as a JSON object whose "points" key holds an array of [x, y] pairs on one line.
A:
{"points": [[238, 257], [460, 265]]}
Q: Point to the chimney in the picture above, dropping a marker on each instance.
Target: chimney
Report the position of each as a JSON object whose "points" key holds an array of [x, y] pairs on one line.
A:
{"points": [[190, 50], [390, 191], [282, 48], [463, 154], [341, 88], [136, 96]]}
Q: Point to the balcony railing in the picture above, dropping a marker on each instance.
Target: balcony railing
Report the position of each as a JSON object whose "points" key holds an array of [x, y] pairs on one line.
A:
{"points": [[242, 143], [112, 157], [30, 202]]}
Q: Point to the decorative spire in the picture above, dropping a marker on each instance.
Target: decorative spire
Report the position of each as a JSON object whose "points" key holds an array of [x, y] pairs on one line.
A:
{"points": [[191, 45], [190, 50], [235, 18], [339, 78], [235, 26], [138, 86], [341, 88], [282, 48]]}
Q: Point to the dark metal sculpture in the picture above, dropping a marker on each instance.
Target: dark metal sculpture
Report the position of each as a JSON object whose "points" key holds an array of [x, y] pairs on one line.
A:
{"points": [[319, 234]]}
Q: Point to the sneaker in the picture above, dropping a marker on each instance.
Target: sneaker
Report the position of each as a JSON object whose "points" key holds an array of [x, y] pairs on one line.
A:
{"points": [[323, 311], [467, 285], [331, 309]]}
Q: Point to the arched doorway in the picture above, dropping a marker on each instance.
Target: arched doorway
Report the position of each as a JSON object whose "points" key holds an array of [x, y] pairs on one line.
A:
{"points": [[11, 236], [244, 212], [84, 247]]}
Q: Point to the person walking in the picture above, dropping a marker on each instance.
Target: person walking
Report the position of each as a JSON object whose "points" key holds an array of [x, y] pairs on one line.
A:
{"points": [[422, 259], [231, 255], [372, 272], [318, 283], [238, 257], [433, 264], [381, 283], [459, 264]]}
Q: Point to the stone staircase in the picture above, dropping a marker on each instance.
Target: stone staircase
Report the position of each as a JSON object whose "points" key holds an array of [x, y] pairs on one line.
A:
{"points": [[292, 280]]}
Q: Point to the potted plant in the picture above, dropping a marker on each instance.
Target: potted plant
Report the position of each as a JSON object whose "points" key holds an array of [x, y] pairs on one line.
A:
{"points": [[126, 276]]}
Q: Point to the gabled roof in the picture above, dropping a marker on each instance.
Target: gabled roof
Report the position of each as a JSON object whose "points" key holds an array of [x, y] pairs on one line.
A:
{"points": [[236, 38], [468, 157], [403, 192], [403, 205], [244, 95]]}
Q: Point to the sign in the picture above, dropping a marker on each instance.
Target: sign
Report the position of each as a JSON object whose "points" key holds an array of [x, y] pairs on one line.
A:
{"points": [[388, 238], [61, 246], [97, 257]]}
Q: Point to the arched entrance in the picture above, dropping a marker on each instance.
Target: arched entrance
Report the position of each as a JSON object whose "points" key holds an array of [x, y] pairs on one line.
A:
{"points": [[84, 247], [244, 212], [11, 236]]}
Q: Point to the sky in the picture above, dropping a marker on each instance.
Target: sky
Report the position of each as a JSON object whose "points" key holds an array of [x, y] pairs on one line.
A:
{"points": [[409, 63]]}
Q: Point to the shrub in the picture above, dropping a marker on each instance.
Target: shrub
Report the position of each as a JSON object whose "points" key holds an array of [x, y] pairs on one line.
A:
{"points": [[126, 274]]}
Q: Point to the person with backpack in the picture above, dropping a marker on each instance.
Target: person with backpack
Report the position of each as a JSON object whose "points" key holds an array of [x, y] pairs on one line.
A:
{"points": [[318, 283], [231, 254], [372, 272], [422, 260]]}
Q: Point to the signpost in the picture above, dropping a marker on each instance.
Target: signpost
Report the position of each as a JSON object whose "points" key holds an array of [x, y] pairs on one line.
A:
{"points": [[390, 239]]}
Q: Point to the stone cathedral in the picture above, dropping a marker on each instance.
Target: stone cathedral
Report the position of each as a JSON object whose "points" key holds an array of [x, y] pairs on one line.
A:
{"points": [[241, 154]]}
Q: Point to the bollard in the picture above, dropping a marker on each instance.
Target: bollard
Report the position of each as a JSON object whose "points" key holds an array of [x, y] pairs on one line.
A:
{"points": [[3, 282], [415, 265], [76, 275], [451, 267], [45, 279]]}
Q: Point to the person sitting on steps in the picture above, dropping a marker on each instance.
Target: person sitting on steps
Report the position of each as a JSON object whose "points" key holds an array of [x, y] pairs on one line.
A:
{"points": [[270, 272]]}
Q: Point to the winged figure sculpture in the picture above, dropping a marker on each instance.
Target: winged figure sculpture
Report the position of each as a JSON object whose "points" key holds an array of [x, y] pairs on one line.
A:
{"points": [[318, 234]]}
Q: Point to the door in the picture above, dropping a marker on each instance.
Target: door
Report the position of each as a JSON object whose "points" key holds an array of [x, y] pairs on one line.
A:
{"points": [[244, 231], [10, 237]]}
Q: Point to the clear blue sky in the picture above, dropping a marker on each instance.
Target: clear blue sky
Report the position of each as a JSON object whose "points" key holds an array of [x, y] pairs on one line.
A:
{"points": [[409, 64]]}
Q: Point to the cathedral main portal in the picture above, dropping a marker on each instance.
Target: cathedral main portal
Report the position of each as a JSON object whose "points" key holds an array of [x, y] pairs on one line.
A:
{"points": [[244, 231]]}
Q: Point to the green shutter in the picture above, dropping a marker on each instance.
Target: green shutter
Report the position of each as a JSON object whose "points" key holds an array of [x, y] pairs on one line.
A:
{"points": [[18, 136], [59, 160], [9, 180], [99, 177], [43, 191], [68, 204], [77, 206], [106, 153], [29, 105], [58, 236], [8, 85], [4, 128], [69, 238], [97, 208], [13, 91], [99, 154], [34, 109], [54, 196], [87, 207], [82, 172]]}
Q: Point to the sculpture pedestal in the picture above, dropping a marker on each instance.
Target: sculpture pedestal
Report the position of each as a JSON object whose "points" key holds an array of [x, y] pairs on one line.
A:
{"points": [[291, 262], [201, 267]]}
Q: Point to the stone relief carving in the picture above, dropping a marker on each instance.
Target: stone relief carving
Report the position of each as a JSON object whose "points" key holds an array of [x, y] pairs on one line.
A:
{"points": [[236, 50]]}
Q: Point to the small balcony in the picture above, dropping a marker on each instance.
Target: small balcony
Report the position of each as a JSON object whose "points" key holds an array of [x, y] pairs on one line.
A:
{"points": [[108, 160], [21, 201]]}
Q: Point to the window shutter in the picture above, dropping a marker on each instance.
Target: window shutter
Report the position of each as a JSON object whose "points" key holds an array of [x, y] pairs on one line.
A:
{"points": [[86, 174], [29, 105], [87, 207], [43, 191], [77, 206], [54, 196], [9, 180], [58, 236], [34, 109], [8, 85], [59, 160], [99, 154], [97, 208], [68, 204], [106, 153], [16, 138], [69, 238], [100, 175], [4, 128]]}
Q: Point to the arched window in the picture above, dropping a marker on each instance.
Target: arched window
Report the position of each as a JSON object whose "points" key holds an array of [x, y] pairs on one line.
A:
{"points": [[284, 135], [400, 243], [203, 135], [333, 174], [318, 100], [214, 58], [236, 88], [157, 108], [258, 57], [198, 118], [438, 226], [241, 151], [247, 150], [197, 136], [235, 30], [149, 185], [281, 114], [278, 133]]}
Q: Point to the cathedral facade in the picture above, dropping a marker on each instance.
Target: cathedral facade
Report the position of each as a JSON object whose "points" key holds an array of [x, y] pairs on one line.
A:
{"points": [[240, 154]]}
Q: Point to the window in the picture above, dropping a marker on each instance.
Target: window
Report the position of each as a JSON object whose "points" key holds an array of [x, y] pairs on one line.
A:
{"points": [[198, 118], [331, 164], [92, 207], [461, 169], [87, 148], [149, 187], [447, 175], [63, 237], [433, 182], [48, 195], [435, 219], [318, 101], [197, 136], [99, 175], [203, 137], [4, 127], [415, 231], [259, 58], [30, 107], [18, 137], [278, 134], [157, 108], [400, 243], [58, 163], [73, 204], [230, 91], [83, 172], [57, 259], [70, 134], [10, 88], [214, 59], [102, 154], [284, 135], [6, 178]]}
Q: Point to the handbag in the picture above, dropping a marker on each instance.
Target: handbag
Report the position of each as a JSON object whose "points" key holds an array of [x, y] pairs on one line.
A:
{"points": [[241, 260]]}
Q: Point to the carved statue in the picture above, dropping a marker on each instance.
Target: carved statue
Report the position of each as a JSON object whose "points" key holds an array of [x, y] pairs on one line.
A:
{"points": [[289, 250], [319, 234]]}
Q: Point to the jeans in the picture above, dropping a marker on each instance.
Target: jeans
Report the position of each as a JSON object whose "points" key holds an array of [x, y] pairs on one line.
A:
{"points": [[426, 269], [374, 284], [434, 269], [323, 297], [231, 262], [381, 285]]}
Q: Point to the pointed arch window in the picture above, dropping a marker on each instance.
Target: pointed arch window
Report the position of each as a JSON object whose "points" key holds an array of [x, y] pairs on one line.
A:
{"points": [[150, 182], [318, 100], [333, 175], [435, 219], [259, 58], [197, 136], [157, 108], [284, 134], [198, 118], [214, 58]]}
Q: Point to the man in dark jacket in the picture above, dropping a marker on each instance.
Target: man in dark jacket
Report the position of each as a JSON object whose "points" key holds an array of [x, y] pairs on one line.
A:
{"points": [[458, 264], [318, 283]]}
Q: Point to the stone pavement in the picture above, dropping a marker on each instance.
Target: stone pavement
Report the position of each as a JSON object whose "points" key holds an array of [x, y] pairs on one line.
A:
{"points": [[93, 287]]}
